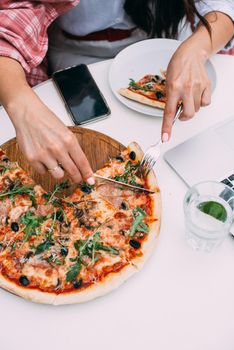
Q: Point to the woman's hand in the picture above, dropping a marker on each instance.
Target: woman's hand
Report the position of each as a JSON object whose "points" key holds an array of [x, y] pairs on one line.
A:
{"points": [[47, 143], [187, 80]]}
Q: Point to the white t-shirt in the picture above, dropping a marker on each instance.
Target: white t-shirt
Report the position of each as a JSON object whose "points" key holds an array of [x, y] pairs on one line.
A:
{"points": [[94, 15]]}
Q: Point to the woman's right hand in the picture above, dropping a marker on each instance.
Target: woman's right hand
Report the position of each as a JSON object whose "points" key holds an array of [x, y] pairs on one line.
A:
{"points": [[47, 143]]}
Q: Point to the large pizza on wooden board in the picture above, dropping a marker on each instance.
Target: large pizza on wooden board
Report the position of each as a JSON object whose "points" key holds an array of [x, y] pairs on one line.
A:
{"points": [[59, 250]]}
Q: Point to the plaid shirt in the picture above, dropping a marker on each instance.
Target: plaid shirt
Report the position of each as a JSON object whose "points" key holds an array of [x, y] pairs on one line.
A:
{"points": [[23, 32]]}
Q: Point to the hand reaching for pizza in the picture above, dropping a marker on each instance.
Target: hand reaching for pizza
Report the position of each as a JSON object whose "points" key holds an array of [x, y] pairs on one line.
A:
{"points": [[187, 80], [48, 144]]}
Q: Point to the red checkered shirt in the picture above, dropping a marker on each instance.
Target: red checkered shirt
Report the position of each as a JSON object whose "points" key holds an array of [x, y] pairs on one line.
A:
{"points": [[23, 32]]}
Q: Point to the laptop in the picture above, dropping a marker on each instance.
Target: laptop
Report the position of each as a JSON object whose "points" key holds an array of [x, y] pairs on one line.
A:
{"points": [[208, 155]]}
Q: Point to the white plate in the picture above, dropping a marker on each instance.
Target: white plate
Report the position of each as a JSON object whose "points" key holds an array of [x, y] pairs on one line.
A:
{"points": [[145, 57]]}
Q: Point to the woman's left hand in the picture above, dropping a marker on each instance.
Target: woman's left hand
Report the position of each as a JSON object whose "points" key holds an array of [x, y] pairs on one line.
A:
{"points": [[187, 80]]}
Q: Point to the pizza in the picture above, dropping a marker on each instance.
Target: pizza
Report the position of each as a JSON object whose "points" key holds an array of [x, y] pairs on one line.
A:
{"points": [[150, 90], [62, 250]]}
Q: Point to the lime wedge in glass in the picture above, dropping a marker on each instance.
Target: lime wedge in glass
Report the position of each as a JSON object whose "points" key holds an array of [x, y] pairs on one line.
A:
{"points": [[214, 209]]}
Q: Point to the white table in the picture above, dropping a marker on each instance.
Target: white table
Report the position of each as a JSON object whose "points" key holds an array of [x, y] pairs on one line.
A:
{"points": [[182, 299]]}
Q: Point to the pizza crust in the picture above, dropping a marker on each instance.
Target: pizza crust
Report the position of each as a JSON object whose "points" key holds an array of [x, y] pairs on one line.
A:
{"points": [[154, 228], [111, 282], [34, 295], [140, 98]]}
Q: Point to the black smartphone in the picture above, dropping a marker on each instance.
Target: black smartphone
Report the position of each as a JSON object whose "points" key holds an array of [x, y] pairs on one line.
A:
{"points": [[83, 99]]}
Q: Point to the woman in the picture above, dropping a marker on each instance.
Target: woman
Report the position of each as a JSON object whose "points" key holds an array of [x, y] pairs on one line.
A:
{"points": [[43, 138]]}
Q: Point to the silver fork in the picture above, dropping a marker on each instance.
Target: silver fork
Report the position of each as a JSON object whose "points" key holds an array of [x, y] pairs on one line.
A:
{"points": [[153, 152]]}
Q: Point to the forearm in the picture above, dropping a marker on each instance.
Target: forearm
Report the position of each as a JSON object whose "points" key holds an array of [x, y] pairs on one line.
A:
{"points": [[222, 30], [15, 93]]}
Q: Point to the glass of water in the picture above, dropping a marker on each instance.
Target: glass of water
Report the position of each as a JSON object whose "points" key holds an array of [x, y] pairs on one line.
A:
{"points": [[209, 213]]}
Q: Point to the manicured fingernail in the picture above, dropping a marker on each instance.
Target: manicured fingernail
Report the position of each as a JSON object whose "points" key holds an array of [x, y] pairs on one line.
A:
{"points": [[90, 181], [165, 137]]}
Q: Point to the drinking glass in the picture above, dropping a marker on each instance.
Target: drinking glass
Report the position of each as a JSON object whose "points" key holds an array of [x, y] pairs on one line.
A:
{"points": [[209, 212]]}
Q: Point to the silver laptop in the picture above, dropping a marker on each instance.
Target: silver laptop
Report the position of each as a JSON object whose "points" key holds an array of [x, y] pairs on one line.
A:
{"points": [[206, 156]]}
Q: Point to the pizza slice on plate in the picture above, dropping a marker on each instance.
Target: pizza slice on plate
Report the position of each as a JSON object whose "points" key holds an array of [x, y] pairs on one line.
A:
{"points": [[150, 90]]}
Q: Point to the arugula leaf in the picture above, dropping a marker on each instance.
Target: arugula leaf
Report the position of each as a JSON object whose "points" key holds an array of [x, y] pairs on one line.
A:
{"points": [[214, 209], [146, 87], [57, 188], [74, 271], [32, 222], [13, 246], [48, 241], [4, 168], [129, 174], [112, 250], [138, 215], [136, 86], [142, 227], [89, 248], [43, 246], [18, 188]]}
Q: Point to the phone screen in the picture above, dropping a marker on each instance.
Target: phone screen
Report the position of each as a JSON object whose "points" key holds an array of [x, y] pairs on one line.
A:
{"points": [[81, 94]]}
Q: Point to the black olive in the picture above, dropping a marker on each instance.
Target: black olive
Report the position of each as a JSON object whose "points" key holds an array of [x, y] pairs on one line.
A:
{"points": [[163, 82], [78, 284], [5, 159], [135, 244], [59, 216], [11, 185], [58, 283], [132, 155], [124, 205], [28, 255], [64, 228], [64, 251], [86, 188], [7, 220], [120, 158], [157, 77], [14, 226], [82, 221], [123, 232], [78, 213], [158, 94], [24, 281]]}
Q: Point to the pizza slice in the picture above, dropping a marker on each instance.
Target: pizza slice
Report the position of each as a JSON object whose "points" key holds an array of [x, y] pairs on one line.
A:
{"points": [[150, 90]]}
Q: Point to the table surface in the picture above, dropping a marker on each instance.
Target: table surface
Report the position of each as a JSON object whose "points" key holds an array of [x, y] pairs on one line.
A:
{"points": [[182, 299]]}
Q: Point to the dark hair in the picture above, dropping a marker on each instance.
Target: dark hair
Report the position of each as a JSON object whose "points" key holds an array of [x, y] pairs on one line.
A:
{"points": [[161, 18]]}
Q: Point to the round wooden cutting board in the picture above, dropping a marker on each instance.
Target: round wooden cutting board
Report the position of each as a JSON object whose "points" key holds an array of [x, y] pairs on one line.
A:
{"points": [[97, 147]]}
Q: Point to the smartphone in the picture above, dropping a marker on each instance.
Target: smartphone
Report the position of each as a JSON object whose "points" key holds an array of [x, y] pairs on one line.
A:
{"points": [[83, 99]]}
